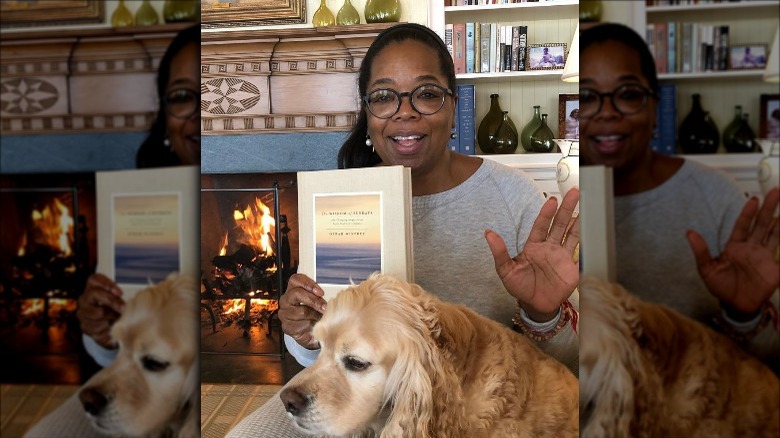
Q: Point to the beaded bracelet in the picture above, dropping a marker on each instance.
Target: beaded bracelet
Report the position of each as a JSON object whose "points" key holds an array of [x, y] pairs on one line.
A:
{"points": [[568, 314], [768, 315]]}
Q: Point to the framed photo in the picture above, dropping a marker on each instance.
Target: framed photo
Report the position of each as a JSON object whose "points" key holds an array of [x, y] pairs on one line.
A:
{"points": [[769, 125], [546, 56], [569, 116], [25, 13], [240, 13], [747, 56]]}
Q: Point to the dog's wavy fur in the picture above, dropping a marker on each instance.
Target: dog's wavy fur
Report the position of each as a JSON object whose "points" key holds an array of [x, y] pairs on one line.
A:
{"points": [[159, 324], [648, 371], [437, 370]]}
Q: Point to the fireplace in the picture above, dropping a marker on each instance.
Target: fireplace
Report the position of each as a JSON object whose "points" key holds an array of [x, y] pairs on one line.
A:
{"points": [[248, 253], [47, 250]]}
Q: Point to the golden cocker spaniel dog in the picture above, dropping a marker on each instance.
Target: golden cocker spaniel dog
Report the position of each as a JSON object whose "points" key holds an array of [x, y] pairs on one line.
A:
{"points": [[648, 371], [151, 389], [398, 362]]}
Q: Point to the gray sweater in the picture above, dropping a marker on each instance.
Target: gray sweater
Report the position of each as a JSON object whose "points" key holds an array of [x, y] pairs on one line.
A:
{"points": [[452, 259]]}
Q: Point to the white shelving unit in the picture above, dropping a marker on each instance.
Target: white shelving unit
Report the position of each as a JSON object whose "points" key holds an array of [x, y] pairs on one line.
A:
{"points": [[750, 22], [548, 22]]}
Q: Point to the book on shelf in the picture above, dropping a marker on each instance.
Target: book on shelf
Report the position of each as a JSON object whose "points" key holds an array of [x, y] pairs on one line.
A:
{"points": [[466, 119], [682, 47], [452, 144], [521, 48], [671, 46], [470, 47], [477, 47], [485, 34], [353, 222], [666, 118], [148, 225], [448, 29], [459, 47]]}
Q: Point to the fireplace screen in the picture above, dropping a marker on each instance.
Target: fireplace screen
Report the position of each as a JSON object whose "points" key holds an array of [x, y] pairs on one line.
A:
{"points": [[47, 252], [246, 260]]}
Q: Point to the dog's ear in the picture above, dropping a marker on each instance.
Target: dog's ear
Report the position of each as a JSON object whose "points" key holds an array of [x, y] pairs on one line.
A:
{"points": [[423, 373]]}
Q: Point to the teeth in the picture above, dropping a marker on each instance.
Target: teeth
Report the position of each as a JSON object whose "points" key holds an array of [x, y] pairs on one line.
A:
{"points": [[406, 137], [608, 137]]}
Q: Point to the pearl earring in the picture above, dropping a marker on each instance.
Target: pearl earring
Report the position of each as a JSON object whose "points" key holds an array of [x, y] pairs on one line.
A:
{"points": [[370, 143]]}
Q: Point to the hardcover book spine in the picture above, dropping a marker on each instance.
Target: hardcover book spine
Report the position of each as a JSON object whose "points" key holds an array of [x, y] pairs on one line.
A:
{"points": [[515, 48], [469, 47], [723, 56], [448, 30], [671, 47], [477, 47], [459, 46], [485, 34], [667, 118], [687, 50], [466, 121], [521, 49]]}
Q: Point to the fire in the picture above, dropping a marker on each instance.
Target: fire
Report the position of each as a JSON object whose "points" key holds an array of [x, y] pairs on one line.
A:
{"points": [[256, 223], [223, 249], [238, 305], [53, 227], [32, 306]]}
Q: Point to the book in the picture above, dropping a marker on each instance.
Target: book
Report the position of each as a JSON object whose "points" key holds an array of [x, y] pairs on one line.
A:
{"points": [[448, 30], [515, 66], [521, 58], [660, 47], [667, 119], [465, 119], [470, 47], [723, 48], [671, 47], [486, 30], [454, 142], [477, 48], [353, 222], [459, 47], [148, 225]]}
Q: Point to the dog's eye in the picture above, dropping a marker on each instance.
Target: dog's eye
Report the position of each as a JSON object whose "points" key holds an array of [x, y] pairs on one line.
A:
{"points": [[152, 364], [354, 364]]}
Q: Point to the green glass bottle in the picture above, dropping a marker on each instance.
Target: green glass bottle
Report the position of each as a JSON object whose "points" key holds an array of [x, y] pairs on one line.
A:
{"points": [[323, 16], [505, 138], [181, 10], [489, 125], [146, 15], [122, 16], [590, 10], [542, 138], [347, 15], [529, 128], [383, 11]]}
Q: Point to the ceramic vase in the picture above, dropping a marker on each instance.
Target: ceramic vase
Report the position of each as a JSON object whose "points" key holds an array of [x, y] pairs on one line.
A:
{"points": [[698, 133], [542, 138], [146, 15], [383, 11], [122, 16], [347, 15], [567, 171], [769, 166], [530, 127], [323, 16]]}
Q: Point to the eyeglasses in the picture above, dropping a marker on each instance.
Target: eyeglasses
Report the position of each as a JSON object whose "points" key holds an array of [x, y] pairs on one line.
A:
{"points": [[181, 103], [426, 99], [626, 99]]}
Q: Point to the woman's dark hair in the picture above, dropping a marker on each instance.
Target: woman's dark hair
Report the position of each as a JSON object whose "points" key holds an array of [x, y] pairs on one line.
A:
{"points": [[153, 153], [623, 34], [354, 152]]}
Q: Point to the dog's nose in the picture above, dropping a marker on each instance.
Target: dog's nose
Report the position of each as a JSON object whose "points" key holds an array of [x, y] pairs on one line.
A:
{"points": [[92, 400], [294, 401]]}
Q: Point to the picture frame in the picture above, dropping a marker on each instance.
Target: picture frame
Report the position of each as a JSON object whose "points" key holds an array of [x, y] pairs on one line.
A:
{"points": [[242, 13], [39, 13], [568, 116], [769, 124], [748, 57], [550, 56]]}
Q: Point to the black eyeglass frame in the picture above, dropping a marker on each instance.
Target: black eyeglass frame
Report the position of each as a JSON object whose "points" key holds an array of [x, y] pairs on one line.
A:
{"points": [[399, 96], [647, 94], [167, 105]]}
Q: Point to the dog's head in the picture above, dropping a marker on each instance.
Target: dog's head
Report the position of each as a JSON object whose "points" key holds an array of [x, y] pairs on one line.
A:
{"points": [[383, 363], [150, 388]]}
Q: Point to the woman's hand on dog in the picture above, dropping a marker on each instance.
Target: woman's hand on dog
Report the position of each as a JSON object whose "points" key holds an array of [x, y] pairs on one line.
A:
{"points": [[747, 273], [300, 308], [99, 307], [544, 274]]}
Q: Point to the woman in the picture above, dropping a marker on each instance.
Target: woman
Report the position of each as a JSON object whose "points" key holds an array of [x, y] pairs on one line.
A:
{"points": [[659, 199], [174, 139], [408, 112]]}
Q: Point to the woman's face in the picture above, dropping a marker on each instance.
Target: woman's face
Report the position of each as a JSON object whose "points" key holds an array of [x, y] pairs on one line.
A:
{"points": [[184, 133], [609, 137], [409, 138]]}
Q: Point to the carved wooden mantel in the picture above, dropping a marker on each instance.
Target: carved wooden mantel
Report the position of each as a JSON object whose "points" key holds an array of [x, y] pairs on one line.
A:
{"points": [[283, 80], [85, 80]]}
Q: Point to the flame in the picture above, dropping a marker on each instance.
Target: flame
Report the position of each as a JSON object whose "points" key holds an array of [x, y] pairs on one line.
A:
{"points": [[256, 223], [32, 306], [223, 249], [238, 305], [53, 227]]}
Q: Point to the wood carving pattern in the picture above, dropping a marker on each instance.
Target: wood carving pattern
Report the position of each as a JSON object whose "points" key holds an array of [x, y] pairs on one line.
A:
{"points": [[228, 96], [26, 95]]}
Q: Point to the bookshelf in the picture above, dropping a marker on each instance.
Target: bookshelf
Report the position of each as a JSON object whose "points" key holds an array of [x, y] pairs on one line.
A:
{"points": [[750, 22], [548, 22]]}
